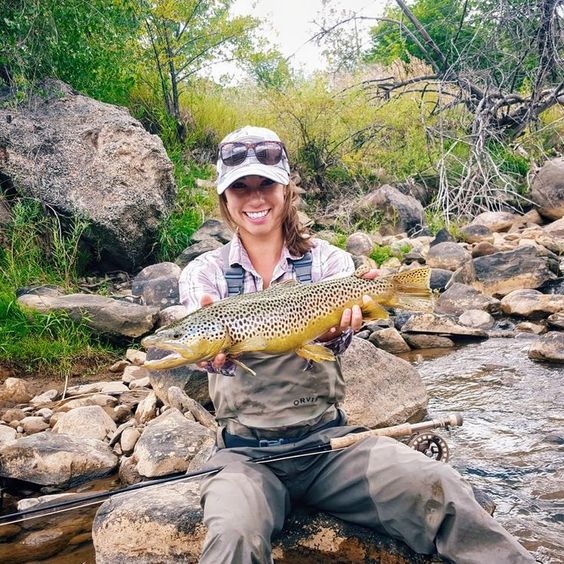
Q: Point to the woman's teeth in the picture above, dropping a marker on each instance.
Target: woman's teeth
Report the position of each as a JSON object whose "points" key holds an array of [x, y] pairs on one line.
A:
{"points": [[257, 215]]}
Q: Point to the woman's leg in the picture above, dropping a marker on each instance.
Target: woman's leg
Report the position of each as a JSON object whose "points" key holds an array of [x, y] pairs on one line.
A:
{"points": [[383, 484], [244, 505]]}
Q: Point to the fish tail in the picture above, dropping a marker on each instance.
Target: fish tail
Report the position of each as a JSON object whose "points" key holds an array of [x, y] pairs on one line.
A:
{"points": [[412, 289]]}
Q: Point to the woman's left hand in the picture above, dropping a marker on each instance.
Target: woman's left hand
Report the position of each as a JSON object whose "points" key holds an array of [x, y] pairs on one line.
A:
{"points": [[352, 317]]}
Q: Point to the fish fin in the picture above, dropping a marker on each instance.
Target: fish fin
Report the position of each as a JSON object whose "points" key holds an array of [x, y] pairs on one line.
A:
{"points": [[316, 353], [372, 311], [412, 289], [362, 270], [169, 361], [243, 366], [257, 343]]}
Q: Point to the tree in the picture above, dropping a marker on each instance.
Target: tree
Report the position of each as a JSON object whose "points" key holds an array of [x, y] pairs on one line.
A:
{"points": [[183, 38]]}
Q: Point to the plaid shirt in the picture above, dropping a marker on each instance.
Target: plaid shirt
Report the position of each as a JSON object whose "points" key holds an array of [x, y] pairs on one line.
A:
{"points": [[204, 275]]}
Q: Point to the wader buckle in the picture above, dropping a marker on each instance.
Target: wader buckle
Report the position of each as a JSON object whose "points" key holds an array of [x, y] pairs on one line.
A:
{"points": [[263, 443]]}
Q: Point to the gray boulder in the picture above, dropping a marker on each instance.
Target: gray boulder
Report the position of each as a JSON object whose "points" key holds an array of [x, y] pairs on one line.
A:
{"points": [[89, 159], [106, 315], [532, 304], [548, 348], [157, 284], [382, 389], [90, 422], [52, 459], [448, 256], [547, 190], [460, 297]]}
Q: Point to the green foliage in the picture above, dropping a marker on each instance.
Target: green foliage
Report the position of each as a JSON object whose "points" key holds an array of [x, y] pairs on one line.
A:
{"points": [[381, 253], [87, 44]]}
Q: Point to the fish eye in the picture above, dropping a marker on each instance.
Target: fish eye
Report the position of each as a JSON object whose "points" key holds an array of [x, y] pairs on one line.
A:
{"points": [[176, 336]]}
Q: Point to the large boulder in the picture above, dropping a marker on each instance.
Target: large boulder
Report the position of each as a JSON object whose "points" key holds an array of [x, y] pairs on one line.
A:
{"points": [[84, 158], [547, 190], [165, 525], [52, 459], [459, 298], [382, 389], [447, 256], [548, 348], [396, 212], [532, 304]]}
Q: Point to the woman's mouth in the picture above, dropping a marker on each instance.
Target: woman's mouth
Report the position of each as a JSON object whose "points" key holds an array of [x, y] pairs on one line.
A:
{"points": [[256, 216]]}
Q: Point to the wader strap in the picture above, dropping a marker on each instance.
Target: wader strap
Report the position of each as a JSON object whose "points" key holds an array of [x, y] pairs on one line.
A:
{"points": [[235, 275]]}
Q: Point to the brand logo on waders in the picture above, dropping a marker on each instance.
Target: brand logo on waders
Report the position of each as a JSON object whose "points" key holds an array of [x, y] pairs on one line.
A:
{"points": [[305, 401]]}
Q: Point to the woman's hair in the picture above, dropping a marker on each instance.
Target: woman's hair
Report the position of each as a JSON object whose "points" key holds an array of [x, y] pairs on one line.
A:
{"points": [[296, 236]]}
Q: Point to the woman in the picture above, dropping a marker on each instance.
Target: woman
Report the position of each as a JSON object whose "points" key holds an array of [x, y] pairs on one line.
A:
{"points": [[290, 404]]}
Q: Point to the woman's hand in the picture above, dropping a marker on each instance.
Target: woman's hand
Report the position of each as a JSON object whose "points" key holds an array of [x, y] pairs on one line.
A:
{"points": [[352, 317], [217, 361]]}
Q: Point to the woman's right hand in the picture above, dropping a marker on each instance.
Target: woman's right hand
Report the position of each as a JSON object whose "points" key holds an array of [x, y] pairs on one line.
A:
{"points": [[217, 361]]}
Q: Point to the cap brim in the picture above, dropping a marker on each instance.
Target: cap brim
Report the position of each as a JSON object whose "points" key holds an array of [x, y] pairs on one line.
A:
{"points": [[252, 169]]}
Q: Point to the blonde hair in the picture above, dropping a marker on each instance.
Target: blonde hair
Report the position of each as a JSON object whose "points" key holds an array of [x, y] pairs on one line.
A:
{"points": [[296, 236]]}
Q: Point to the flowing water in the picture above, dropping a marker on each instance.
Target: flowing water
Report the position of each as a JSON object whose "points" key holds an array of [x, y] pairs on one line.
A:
{"points": [[512, 442]]}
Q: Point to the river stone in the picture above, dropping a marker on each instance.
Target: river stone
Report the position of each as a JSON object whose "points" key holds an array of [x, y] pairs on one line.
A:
{"points": [[86, 158], [158, 284], [555, 229], [389, 340], [13, 414], [109, 388], [459, 298], [36, 545], [168, 443], [214, 229], [530, 327], [549, 347], [15, 390], [501, 273], [448, 256], [190, 378], [496, 221], [197, 249], [136, 357], [7, 434], [166, 526], [556, 320], [483, 249], [140, 383], [422, 341], [359, 243], [477, 318], [532, 304], [477, 233], [441, 324], [52, 459], [134, 373], [382, 389], [128, 440], [45, 398], [32, 425], [102, 400], [547, 189], [90, 422], [106, 315]]}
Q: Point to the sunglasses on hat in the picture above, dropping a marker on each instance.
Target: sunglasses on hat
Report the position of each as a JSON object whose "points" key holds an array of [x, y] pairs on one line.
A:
{"points": [[267, 152]]}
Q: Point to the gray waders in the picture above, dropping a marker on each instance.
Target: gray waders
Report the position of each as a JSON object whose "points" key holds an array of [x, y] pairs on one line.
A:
{"points": [[377, 483]]}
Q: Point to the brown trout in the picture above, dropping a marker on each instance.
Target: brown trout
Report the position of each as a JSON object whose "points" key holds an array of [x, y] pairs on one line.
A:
{"points": [[286, 317]]}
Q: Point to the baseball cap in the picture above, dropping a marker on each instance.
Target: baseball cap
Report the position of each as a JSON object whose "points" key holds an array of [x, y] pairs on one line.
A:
{"points": [[227, 175]]}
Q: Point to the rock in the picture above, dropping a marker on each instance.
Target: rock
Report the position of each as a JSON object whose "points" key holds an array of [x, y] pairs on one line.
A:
{"points": [[440, 278], [547, 189], [158, 284], [555, 229], [401, 213], [36, 545], [119, 366], [89, 159], [178, 399], [129, 439], [213, 229], [459, 298], [108, 388], [441, 324], [477, 233], [136, 357], [382, 389], [90, 422], [195, 250], [140, 383], [171, 314], [501, 273], [483, 249], [52, 459], [190, 378], [45, 398], [529, 327], [121, 413], [496, 221], [442, 236], [96, 399], [33, 425], [147, 409], [44, 412], [13, 414], [168, 443], [15, 390], [477, 318], [106, 315], [166, 526], [532, 304], [556, 320], [132, 373], [448, 256], [422, 341], [7, 434], [128, 471], [549, 347], [389, 340], [359, 243]]}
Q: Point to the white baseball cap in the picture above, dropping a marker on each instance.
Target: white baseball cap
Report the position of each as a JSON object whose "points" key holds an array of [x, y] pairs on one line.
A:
{"points": [[227, 175]]}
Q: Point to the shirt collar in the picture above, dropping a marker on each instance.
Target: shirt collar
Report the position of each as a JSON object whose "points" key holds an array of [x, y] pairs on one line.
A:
{"points": [[238, 255]]}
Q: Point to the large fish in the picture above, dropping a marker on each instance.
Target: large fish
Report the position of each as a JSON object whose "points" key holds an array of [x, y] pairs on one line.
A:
{"points": [[286, 317]]}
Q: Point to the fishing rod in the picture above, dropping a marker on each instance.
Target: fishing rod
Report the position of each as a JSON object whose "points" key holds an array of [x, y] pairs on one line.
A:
{"points": [[333, 445]]}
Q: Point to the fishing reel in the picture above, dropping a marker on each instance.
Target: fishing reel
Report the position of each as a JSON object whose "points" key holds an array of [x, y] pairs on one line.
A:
{"points": [[431, 445]]}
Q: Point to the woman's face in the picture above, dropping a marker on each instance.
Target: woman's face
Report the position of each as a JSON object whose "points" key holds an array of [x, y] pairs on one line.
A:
{"points": [[256, 205]]}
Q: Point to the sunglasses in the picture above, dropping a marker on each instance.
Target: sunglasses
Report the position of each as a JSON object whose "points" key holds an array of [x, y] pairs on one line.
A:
{"points": [[266, 152]]}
